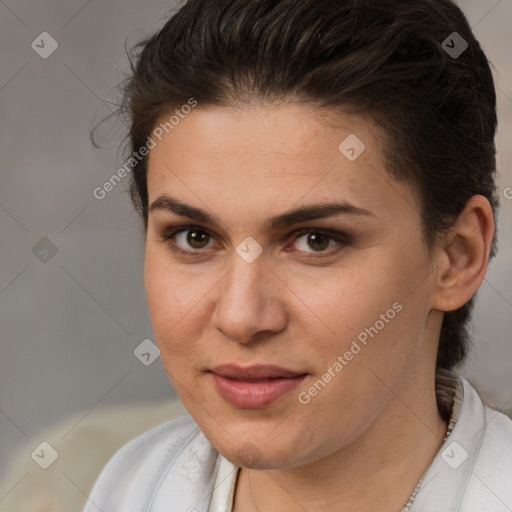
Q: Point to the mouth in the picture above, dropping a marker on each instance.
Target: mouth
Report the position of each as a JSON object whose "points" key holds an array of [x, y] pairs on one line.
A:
{"points": [[257, 380], [256, 386], [257, 372]]}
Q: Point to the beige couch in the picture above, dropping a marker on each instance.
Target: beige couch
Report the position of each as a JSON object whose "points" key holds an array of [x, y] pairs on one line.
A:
{"points": [[82, 451]]}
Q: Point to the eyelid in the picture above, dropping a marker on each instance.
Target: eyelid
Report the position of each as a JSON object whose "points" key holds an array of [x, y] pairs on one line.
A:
{"points": [[340, 237]]}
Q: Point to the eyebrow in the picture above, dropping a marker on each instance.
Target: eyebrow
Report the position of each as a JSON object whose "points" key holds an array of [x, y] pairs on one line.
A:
{"points": [[281, 221]]}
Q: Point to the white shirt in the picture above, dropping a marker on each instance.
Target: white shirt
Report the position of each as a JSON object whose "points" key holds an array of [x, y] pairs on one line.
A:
{"points": [[173, 468], [224, 487]]}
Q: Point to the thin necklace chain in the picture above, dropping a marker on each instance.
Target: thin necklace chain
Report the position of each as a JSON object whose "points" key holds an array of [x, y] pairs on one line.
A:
{"points": [[411, 499]]}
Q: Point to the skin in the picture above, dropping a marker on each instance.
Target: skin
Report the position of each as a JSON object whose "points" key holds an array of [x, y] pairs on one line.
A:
{"points": [[364, 441]]}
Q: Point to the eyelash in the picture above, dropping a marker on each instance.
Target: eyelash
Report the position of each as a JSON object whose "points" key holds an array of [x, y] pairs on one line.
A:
{"points": [[337, 236]]}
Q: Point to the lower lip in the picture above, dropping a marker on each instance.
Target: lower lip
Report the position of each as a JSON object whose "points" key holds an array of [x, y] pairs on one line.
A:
{"points": [[254, 395]]}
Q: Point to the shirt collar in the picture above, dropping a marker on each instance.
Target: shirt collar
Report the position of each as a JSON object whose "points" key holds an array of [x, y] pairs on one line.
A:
{"points": [[445, 481]]}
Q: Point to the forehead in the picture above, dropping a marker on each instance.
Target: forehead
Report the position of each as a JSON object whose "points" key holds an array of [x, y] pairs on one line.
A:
{"points": [[257, 158], [287, 131]]}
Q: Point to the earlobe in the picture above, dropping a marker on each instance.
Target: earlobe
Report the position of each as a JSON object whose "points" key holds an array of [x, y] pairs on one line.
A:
{"points": [[464, 255]]}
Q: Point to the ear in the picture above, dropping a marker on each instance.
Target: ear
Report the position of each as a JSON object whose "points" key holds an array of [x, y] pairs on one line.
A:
{"points": [[463, 255]]}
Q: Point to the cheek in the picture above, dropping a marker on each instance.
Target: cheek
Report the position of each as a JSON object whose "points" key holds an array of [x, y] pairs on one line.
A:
{"points": [[373, 311], [344, 302], [174, 303]]}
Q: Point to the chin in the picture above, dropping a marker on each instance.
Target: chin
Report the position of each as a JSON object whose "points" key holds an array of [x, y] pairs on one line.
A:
{"points": [[249, 453]]}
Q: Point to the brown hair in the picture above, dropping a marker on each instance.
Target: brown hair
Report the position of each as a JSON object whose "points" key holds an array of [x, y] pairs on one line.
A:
{"points": [[384, 59]]}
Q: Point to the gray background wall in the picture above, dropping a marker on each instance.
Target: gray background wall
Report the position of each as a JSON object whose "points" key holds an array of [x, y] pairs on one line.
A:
{"points": [[69, 324]]}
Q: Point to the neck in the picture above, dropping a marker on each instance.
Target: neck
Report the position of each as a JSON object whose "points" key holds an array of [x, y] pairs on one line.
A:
{"points": [[378, 470]]}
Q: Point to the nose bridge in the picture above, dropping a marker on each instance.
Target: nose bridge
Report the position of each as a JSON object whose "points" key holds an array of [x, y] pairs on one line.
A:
{"points": [[246, 303], [245, 283]]}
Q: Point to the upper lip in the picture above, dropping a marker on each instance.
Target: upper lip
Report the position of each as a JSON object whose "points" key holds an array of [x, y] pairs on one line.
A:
{"points": [[259, 371]]}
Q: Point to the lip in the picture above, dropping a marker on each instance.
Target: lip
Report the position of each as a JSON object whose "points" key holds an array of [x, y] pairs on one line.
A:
{"points": [[256, 371], [254, 387]]}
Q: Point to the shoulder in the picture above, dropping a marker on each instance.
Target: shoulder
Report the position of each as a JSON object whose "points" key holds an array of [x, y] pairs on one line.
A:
{"points": [[159, 440], [137, 468], [496, 451], [164, 436], [490, 484], [495, 455]]}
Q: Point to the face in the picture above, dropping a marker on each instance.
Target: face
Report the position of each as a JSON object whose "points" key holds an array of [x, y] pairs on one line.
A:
{"points": [[253, 272]]}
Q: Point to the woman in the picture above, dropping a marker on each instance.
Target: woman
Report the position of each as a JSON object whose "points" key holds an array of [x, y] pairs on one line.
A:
{"points": [[316, 181]]}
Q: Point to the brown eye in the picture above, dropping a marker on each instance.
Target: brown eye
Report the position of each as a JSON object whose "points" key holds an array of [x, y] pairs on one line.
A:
{"points": [[188, 239], [315, 241], [196, 238], [193, 240], [318, 241]]}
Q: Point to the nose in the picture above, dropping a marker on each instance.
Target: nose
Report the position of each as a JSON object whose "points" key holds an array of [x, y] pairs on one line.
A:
{"points": [[251, 301]]}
